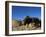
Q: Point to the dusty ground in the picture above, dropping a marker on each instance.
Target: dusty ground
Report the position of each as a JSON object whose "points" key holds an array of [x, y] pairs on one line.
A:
{"points": [[19, 28]]}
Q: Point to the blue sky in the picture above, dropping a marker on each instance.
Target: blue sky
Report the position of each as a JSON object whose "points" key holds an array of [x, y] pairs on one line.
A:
{"points": [[19, 12]]}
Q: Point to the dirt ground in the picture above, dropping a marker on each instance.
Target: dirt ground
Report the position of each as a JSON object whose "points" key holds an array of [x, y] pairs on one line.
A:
{"points": [[21, 28]]}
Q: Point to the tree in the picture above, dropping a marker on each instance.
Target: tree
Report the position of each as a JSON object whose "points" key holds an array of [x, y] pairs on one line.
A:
{"points": [[27, 20], [37, 22]]}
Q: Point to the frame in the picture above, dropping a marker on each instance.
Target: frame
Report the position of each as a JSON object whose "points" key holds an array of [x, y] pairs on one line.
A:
{"points": [[12, 6]]}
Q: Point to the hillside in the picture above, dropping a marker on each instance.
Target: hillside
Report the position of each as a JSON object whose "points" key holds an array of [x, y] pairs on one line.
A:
{"points": [[28, 23]]}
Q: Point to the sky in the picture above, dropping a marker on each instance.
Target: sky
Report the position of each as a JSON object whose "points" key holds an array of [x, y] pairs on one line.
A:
{"points": [[19, 12]]}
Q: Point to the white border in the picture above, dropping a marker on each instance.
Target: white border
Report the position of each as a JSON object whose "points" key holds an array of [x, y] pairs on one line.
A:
{"points": [[24, 32]]}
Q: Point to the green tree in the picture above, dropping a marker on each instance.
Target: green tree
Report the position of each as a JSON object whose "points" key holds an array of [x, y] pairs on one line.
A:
{"points": [[27, 20]]}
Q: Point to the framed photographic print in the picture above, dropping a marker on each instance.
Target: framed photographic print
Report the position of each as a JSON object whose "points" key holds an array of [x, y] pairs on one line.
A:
{"points": [[24, 18]]}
